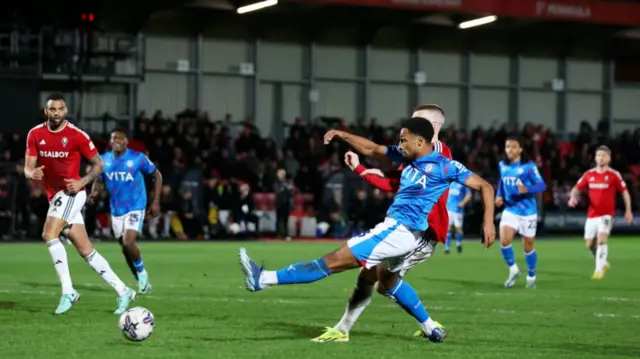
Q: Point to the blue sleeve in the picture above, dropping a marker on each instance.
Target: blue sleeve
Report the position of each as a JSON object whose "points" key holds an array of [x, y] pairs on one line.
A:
{"points": [[455, 171], [538, 184], [147, 166], [394, 153], [500, 191]]}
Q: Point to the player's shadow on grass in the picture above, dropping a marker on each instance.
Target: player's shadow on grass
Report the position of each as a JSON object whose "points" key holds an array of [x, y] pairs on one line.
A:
{"points": [[467, 284], [309, 332], [82, 287]]}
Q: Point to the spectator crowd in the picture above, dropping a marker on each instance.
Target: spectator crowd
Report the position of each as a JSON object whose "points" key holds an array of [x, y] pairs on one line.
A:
{"points": [[222, 176]]}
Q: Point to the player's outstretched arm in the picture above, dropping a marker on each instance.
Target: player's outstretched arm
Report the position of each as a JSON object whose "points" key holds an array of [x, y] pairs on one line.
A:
{"points": [[377, 180], [475, 182], [360, 144]]}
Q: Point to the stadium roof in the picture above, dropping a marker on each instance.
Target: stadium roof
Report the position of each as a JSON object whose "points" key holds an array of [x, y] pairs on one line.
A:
{"points": [[599, 26]]}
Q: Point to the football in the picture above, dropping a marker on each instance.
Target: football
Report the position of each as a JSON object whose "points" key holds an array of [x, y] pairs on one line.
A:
{"points": [[136, 324]]}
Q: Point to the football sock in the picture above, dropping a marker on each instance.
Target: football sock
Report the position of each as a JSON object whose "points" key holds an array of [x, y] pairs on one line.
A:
{"points": [[359, 300], [532, 260], [403, 294], [139, 265], [59, 256], [447, 244], [301, 272], [101, 266], [601, 256], [508, 255], [459, 238]]}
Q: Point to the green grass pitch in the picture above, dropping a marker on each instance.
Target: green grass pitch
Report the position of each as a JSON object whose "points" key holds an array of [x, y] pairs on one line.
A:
{"points": [[203, 311]]}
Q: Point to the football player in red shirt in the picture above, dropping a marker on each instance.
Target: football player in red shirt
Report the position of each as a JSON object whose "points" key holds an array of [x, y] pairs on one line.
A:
{"points": [[438, 221], [59, 146], [601, 182]]}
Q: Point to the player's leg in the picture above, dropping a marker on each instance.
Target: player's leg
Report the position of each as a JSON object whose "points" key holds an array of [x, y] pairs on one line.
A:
{"points": [[367, 250], [458, 225], [132, 228], [80, 239], [591, 236], [53, 226], [528, 227], [508, 228], [450, 232], [78, 235], [359, 300], [117, 226], [602, 251], [390, 283]]}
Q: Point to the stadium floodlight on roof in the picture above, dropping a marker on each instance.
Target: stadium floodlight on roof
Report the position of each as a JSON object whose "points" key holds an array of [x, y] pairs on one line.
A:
{"points": [[256, 6], [477, 22]]}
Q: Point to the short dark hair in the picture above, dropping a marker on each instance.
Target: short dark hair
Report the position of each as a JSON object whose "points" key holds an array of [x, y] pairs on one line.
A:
{"points": [[56, 96], [419, 126], [431, 106], [515, 138], [604, 148], [121, 130]]}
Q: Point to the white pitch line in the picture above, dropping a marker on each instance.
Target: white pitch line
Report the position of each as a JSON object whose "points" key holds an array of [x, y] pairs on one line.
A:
{"points": [[286, 301]]}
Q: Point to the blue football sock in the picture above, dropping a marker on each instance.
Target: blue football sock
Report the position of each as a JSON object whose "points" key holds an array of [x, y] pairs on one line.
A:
{"points": [[459, 239], [303, 272], [508, 255], [532, 261], [408, 299], [139, 265], [447, 244]]}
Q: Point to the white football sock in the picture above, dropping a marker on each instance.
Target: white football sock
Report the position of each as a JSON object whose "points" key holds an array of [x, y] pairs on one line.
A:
{"points": [[359, 300], [428, 326], [601, 256], [101, 266], [268, 278], [59, 257]]}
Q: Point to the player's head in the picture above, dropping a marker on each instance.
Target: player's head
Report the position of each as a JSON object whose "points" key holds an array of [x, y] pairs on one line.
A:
{"points": [[118, 141], [513, 148], [433, 113], [416, 135], [603, 156], [55, 110]]}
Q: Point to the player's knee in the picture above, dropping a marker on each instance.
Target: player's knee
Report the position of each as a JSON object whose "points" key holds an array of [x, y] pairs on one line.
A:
{"points": [[340, 260], [381, 289], [369, 276], [528, 244], [49, 236]]}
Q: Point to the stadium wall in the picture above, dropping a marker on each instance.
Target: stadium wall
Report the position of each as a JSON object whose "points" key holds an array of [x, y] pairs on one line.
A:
{"points": [[334, 76]]}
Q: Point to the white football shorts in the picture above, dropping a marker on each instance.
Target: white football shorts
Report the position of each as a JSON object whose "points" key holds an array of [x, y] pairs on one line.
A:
{"points": [[129, 221], [456, 219], [596, 225], [524, 225], [68, 207], [389, 243]]}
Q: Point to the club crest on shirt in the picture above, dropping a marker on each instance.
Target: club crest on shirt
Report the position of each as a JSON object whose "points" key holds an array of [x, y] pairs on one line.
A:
{"points": [[129, 163], [520, 171], [65, 141], [428, 168]]}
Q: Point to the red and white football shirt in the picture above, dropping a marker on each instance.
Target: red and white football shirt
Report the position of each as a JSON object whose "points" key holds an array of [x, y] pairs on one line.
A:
{"points": [[60, 152], [602, 186]]}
